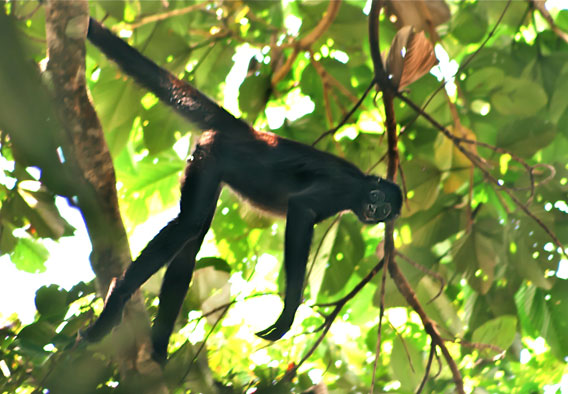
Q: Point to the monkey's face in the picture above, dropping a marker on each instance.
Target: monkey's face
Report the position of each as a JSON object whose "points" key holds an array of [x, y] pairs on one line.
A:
{"points": [[376, 209], [382, 201]]}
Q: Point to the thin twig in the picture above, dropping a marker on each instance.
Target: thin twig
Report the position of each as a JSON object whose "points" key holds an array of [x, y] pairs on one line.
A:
{"points": [[346, 117], [425, 270], [427, 369], [160, 17], [305, 43]]}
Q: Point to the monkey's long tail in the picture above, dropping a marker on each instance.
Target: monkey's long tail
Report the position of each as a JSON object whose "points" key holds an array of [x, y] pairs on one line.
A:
{"points": [[184, 98]]}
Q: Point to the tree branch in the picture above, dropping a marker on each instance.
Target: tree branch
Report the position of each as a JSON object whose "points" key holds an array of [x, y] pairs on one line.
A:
{"points": [[163, 16], [546, 15], [88, 160], [305, 43], [392, 154]]}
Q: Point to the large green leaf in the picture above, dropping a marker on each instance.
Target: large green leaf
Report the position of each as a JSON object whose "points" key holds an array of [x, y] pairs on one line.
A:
{"points": [[559, 100], [347, 251], [29, 255], [499, 332], [160, 125], [469, 25], [484, 80], [527, 136], [39, 208], [436, 224], [519, 97], [476, 255], [544, 313], [253, 95], [422, 182], [117, 105], [51, 303], [407, 363]]}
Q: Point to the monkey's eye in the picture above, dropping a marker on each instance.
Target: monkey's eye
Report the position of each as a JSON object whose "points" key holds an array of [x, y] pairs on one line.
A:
{"points": [[376, 196], [385, 210]]}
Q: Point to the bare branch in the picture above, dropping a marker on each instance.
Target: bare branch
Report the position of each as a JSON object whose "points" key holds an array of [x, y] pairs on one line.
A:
{"points": [[160, 17], [346, 117], [305, 43]]}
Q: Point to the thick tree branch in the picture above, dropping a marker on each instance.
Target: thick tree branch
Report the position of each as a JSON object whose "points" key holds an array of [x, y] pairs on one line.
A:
{"points": [[88, 160]]}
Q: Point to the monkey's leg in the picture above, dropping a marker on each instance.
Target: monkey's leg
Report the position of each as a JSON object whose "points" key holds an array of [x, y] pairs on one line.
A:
{"points": [[172, 294], [197, 202]]}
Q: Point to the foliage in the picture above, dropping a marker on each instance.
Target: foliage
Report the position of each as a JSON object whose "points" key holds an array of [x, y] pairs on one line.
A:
{"points": [[504, 290]]}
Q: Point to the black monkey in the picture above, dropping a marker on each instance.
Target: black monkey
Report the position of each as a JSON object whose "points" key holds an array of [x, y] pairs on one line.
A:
{"points": [[279, 175]]}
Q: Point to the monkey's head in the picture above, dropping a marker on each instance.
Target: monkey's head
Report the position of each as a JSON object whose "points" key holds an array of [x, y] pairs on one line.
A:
{"points": [[381, 200]]}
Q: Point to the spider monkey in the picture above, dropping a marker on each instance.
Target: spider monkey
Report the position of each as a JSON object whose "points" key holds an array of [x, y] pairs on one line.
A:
{"points": [[276, 174]]}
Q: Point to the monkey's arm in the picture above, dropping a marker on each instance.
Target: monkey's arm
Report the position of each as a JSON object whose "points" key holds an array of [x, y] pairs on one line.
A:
{"points": [[300, 222]]}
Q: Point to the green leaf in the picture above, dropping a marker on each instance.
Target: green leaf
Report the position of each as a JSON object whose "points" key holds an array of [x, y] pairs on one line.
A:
{"points": [[436, 224], [29, 255], [323, 243], [407, 363], [559, 99], [150, 185], [160, 126], [89, 373], [499, 332], [39, 208], [439, 307], [469, 25], [347, 251], [423, 183], [211, 72], [527, 249], [543, 313], [35, 336], [527, 136], [113, 8], [229, 228], [519, 97], [476, 256], [117, 106], [199, 378], [211, 274], [210, 288], [311, 84], [7, 240], [51, 302], [484, 80], [164, 46], [348, 27], [562, 19], [253, 95]]}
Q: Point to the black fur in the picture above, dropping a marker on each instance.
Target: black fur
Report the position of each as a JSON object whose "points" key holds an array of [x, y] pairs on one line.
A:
{"points": [[274, 173]]}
